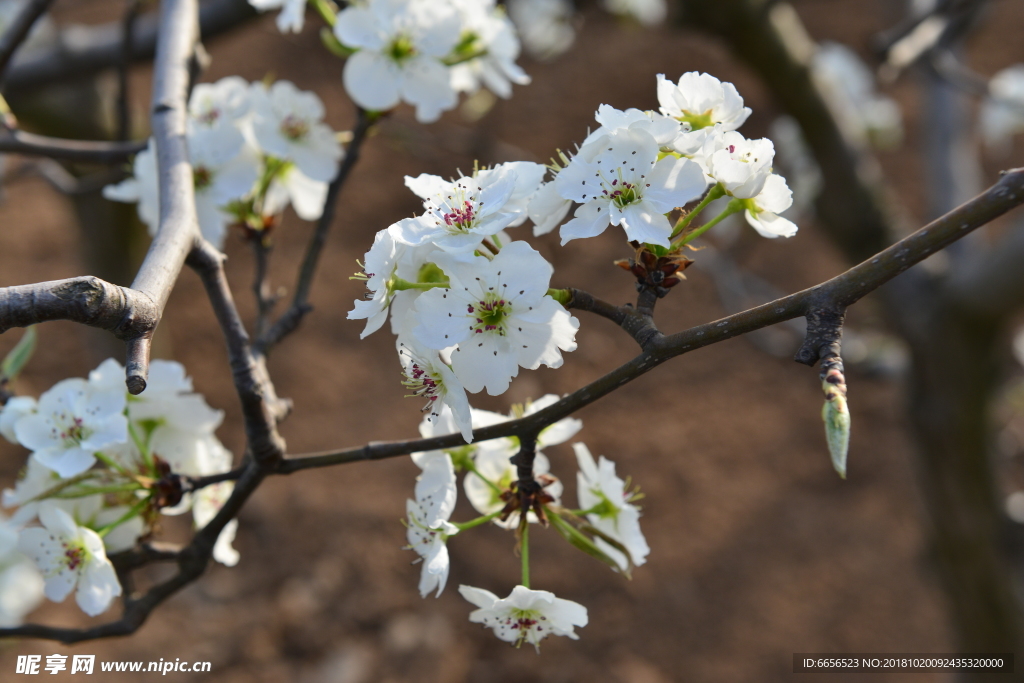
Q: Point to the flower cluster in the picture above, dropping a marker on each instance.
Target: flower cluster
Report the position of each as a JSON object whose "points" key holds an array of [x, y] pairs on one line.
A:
{"points": [[254, 150], [423, 52], [103, 465], [606, 525]]}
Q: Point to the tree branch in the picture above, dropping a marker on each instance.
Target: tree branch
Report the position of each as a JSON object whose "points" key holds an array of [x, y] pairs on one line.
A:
{"points": [[835, 294], [19, 29], [83, 51], [300, 306], [85, 151]]}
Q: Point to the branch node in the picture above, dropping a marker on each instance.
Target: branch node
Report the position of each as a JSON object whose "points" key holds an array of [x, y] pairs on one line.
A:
{"points": [[824, 335]]}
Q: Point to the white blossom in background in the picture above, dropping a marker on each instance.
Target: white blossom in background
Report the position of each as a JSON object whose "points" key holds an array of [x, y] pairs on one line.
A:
{"points": [[387, 260], [208, 502], [427, 526], [647, 12], [1002, 112], [487, 30], [500, 316], [619, 180], [850, 90], [21, 586], [762, 212], [401, 45], [599, 487], [287, 123], [70, 557], [219, 179], [73, 422], [525, 615], [215, 111], [292, 186], [700, 102], [545, 27], [292, 16], [742, 166]]}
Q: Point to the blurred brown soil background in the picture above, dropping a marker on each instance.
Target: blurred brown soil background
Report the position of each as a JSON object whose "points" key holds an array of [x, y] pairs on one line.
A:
{"points": [[758, 549]]}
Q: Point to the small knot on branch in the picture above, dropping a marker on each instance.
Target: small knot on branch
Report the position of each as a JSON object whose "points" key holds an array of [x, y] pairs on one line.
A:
{"points": [[527, 493], [824, 335]]}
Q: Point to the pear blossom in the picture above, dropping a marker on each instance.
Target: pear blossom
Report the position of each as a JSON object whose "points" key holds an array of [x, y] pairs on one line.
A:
{"points": [[619, 180], [525, 615], [21, 589], [428, 376], [214, 112], [547, 209], [73, 422], [604, 494], [219, 179], [292, 16], [388, 260], [16, 408], [545, 27], [700, 102], [292, 186], [647, 12], [71, 556], [528, 178], [428, 540], [762, 212], [287, 123], [208, 502], [1002, 112], [487, 32], [460, 214], [500, 316], [740, 165], [664, 129], [400, 45]]}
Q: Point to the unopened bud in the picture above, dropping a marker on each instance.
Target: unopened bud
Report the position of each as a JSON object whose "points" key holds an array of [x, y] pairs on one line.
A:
{"points": [[836, 414]]}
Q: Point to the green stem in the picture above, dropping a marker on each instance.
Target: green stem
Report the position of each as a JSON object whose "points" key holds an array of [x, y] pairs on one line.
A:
{"points": [[109, 462], [141, 445], [327, 10], [82, 493], [60, 486], [135, 510], [716, 192], [471, 466], [460, 59], [478, 521], [562, 296], [735, 206], [525, 548]]}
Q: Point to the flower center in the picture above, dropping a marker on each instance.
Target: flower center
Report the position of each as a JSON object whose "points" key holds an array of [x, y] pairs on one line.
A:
{"points": [[524, 621], [422, 383], [620, 192], [294, 128], [460, 219], [74, 556], [401, 49], [490, 314], [209, 117], [72, 433], [696, 121]]}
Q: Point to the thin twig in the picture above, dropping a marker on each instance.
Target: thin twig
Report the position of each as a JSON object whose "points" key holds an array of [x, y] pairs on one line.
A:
{"points": [[84, 151], [19, 30], [300, 306], [124, 114]]}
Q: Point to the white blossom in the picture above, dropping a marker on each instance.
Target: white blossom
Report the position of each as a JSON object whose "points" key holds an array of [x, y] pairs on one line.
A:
{"points": [[525, 615], [71, 556], [664, 129], [427, 526], [16, 408], [762, 212], [214, 112], [487, 31], [741, 166], [73, 422], [288, 124], [21, 586], [500, 316], [619, 180], [388, 260], [400, 45], [545, 26], [292, 186], [1002, 112], [292, 16], [547, 209], [600, 490], [429, 377], [208, 502], [700, 102]]}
